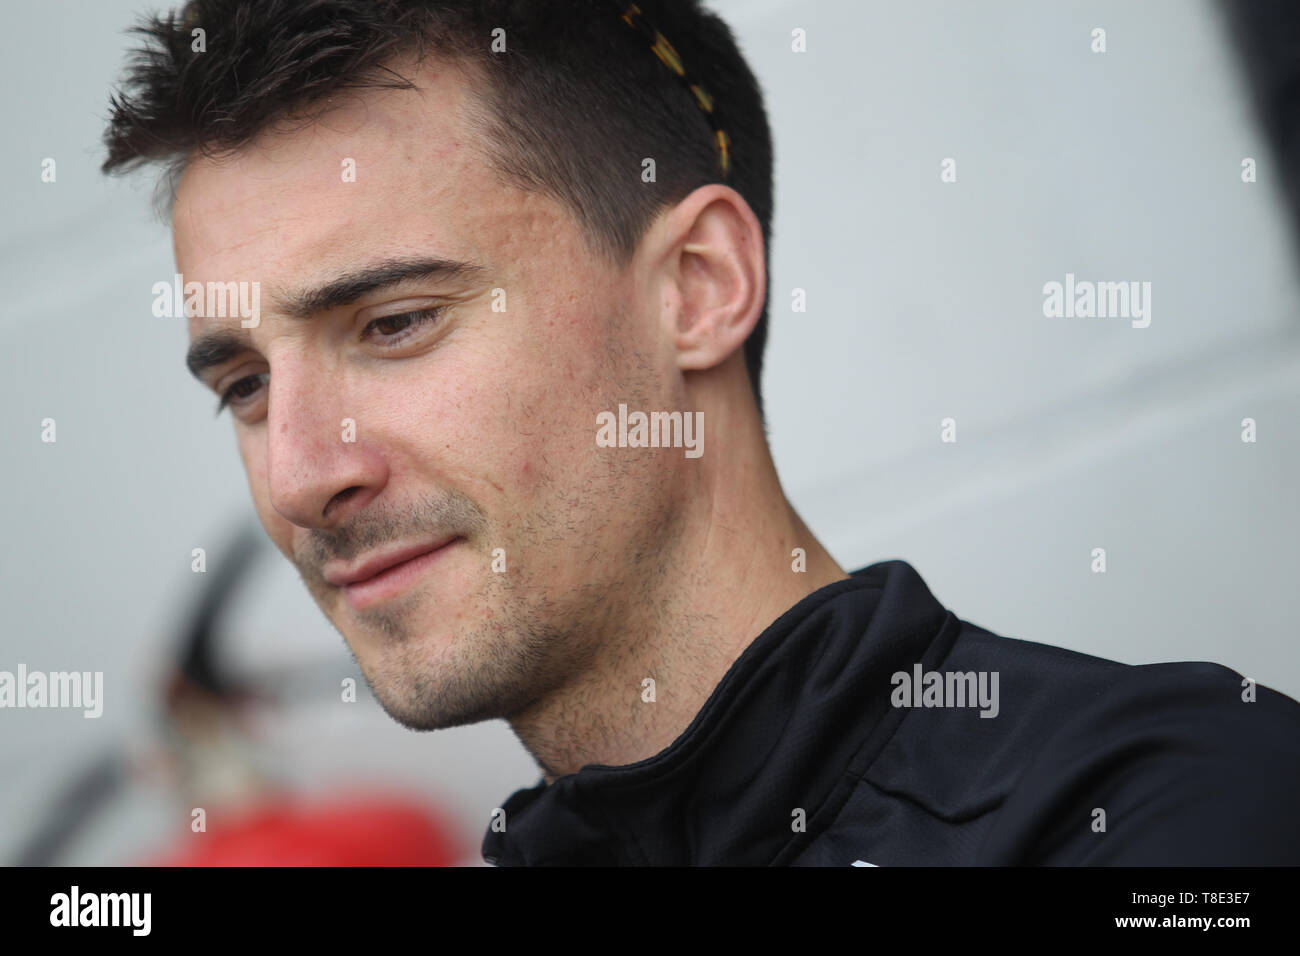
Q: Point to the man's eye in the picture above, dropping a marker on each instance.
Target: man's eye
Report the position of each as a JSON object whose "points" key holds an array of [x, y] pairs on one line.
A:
{"points": [[243, 389], [396, 328], [390, 329]]}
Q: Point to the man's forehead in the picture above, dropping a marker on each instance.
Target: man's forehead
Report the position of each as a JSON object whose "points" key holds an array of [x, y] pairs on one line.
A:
{"points": [[369, 156], [377, 148], [382, 170]]}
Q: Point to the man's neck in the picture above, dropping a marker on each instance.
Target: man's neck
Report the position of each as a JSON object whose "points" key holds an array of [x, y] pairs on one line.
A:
{"points": [[735, 570]]}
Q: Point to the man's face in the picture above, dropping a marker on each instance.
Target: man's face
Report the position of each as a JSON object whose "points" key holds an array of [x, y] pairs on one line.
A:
{"points": [[473, 399]]}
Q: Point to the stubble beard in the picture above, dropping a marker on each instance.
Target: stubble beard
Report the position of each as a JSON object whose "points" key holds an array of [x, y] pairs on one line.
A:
{"points": [[481, 669], [485, 667]]}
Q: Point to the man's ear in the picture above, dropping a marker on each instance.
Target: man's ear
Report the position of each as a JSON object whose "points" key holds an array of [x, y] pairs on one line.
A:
{"points": [[716, 245]]}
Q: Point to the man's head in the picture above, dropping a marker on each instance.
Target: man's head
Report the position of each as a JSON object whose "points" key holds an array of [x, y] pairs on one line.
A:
{"points": [[461, 264]]}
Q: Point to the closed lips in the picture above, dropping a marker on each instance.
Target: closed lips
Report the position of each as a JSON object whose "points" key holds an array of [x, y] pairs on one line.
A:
{"points": [[341, 575]]}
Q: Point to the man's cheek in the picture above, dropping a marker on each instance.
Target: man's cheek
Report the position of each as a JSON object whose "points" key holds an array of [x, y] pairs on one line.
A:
{"points": [[530, 474], [547, 439]]}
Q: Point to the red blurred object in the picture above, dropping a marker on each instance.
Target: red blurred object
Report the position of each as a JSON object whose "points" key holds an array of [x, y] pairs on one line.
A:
{"points": [[360, 831]]}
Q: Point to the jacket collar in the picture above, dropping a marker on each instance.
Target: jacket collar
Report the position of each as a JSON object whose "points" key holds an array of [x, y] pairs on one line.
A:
{"points": [[775, 736]]}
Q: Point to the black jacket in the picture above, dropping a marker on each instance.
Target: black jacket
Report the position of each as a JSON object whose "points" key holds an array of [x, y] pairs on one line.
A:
{"points": [[805, 754]]}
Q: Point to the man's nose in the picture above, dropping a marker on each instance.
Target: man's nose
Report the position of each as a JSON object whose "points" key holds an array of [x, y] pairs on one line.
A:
{"points": [[321, 469]]}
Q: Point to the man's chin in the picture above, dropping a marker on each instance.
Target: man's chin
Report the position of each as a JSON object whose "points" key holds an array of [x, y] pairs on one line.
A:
{"points": [[394, 622], [427, 673], [416, 708], [439, 681]]}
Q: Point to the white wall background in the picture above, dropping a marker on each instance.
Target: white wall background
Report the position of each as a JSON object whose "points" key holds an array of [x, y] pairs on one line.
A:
{"points": [[924, 302]]}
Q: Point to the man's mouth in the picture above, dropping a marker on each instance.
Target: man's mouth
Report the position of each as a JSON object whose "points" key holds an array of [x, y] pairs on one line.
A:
{"points": [[382, 575]]}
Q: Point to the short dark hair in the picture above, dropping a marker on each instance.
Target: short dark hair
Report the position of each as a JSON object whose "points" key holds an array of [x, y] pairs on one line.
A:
{"points": [[573, 107]]}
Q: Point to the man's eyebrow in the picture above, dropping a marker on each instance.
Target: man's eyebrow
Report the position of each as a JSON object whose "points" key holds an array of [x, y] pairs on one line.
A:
{"points": [[213, 348], [353, 285]]}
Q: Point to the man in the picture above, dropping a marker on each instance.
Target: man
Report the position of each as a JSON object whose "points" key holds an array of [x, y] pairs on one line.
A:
{"points": [[500, 406]]}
